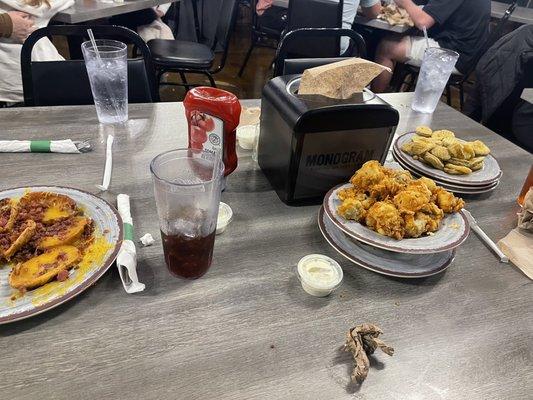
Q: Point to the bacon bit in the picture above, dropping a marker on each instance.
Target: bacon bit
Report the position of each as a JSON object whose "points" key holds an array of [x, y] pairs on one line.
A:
{"points": [[106, 231], [62, 276], [62, 256]]}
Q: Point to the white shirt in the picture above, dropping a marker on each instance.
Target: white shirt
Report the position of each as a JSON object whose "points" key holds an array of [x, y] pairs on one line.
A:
{"points": [[349, 11], [44, 50]]}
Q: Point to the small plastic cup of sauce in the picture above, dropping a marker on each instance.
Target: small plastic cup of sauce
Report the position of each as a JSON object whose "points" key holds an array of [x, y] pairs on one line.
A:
{"points": [[319, 274], [225, 215], [246, 135]]}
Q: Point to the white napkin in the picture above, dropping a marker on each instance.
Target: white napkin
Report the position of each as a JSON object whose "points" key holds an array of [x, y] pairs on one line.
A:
{"points": [[127, 255], [38, 146], [106, 180]]}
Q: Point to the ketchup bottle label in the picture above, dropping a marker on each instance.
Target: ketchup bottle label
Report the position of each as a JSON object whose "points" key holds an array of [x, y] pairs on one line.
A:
{"points": [[207, 132]]}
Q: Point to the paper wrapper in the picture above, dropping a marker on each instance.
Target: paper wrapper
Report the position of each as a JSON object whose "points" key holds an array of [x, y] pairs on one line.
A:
{"points": [[340, 80], [127, 255], [38, 146], [518, 244], [106, 179]]}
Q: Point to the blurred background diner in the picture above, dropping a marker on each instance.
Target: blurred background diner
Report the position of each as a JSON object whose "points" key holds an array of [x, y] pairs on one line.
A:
{"points": [[234, 44]]}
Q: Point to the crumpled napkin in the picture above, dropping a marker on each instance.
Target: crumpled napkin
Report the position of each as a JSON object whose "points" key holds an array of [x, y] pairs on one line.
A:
{"points": [[518, 244], [127, 255], [525, 218], [38, 146]]}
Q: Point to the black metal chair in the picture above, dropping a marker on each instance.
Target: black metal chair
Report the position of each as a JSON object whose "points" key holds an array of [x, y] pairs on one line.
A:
{"points": [[286, 63], [456, 80], [192, 57], [53, 83], [265, 28], [314, 14]]}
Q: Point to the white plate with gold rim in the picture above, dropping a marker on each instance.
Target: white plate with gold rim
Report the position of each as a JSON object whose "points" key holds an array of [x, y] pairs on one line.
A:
{"points": [[97, 259]]}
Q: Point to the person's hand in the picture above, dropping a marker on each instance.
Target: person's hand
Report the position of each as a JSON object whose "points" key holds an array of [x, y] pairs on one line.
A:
{"points": [[22, 25]]}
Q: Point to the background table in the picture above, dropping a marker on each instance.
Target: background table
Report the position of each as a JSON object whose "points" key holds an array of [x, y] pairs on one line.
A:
{"points": [[522, 15], [247, 330], [88, 10]]}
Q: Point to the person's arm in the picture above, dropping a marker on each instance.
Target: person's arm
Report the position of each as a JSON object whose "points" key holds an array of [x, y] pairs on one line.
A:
{"points": [[371, 8], [418, 15], [21, 25], [6, 25]]}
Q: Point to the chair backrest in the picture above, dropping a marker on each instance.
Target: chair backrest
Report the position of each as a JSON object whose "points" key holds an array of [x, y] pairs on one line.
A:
{"points": [[285, 64], [493, 36], [226, 22], [50, 83], [315, 14]]}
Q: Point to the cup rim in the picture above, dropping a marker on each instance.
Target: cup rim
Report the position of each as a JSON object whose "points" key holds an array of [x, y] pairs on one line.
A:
{"points": [[218, 160], [444, 50], [120, 46]]}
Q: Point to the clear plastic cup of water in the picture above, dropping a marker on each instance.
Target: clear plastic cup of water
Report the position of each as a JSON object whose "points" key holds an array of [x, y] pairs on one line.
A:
{"points": [[437, 66], [108, 75]]}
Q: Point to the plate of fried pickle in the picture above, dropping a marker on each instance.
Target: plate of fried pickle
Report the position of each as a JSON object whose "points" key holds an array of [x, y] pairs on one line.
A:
{"points": [[55, 242], [447, 159], [389, 209]]}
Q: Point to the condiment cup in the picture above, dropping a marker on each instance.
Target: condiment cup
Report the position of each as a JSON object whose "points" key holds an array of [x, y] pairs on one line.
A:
{"points": [[319, 274], [246, 136], [225, 215]]}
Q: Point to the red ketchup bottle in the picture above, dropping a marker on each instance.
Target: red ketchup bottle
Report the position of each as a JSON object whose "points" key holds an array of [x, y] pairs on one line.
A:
{"points": [[213, 115]]}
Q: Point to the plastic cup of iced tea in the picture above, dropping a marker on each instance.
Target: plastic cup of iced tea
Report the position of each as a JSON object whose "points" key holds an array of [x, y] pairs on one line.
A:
{"points": [[187, 186]]}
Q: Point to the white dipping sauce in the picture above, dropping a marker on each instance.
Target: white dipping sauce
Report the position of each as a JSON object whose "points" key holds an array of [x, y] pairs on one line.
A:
{"points": [[246, 136], [319, 274]]}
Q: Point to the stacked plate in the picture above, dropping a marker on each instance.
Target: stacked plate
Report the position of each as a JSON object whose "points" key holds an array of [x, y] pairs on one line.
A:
{"points": [[406, 258], [484, 180]]}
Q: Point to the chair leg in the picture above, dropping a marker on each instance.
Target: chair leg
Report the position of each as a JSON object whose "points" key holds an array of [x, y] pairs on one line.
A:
{"points": [[210, 77], [246, 58], [461, 96], [449, 94], [184, 80]]}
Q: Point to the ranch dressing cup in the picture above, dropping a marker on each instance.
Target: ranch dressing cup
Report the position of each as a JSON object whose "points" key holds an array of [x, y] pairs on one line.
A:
{"points": [[319, 275]]}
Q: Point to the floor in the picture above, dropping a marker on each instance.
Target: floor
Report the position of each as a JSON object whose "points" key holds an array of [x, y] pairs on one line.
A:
{"points": [[256, 74]]}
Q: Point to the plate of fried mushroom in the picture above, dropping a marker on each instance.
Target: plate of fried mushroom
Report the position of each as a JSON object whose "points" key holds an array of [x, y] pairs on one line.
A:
{"points": [[389, 209]]}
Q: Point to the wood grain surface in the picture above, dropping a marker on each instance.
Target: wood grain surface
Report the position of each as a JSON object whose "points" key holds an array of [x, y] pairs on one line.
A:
{"points": [[247, 330]]}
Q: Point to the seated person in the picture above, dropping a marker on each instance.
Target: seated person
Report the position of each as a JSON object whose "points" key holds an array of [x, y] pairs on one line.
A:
{"points": [[371, 9], [147, 23], [459, 25], [41, 11], [16, 25]]}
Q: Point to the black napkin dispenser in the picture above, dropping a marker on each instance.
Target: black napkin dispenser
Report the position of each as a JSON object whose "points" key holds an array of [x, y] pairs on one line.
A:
{"points": [[309, 144]]}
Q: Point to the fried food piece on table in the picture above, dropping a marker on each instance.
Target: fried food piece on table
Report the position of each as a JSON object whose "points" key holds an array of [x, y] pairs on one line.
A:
{"points": [[352, 209], [430, 184], [423, 131], [412, 198], [8, 214], [435, 162], [447, 202], [420, 223], [385, 219], [442, 134], [12, 241], [47, 207], [453, 169], [369, 174], [63, 232], [43, 268], [480, 148]]}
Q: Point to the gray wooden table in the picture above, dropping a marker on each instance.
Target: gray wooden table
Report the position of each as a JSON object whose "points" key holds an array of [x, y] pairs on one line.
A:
{"points": [[88, 10], [521, 15], [247, 330]]}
